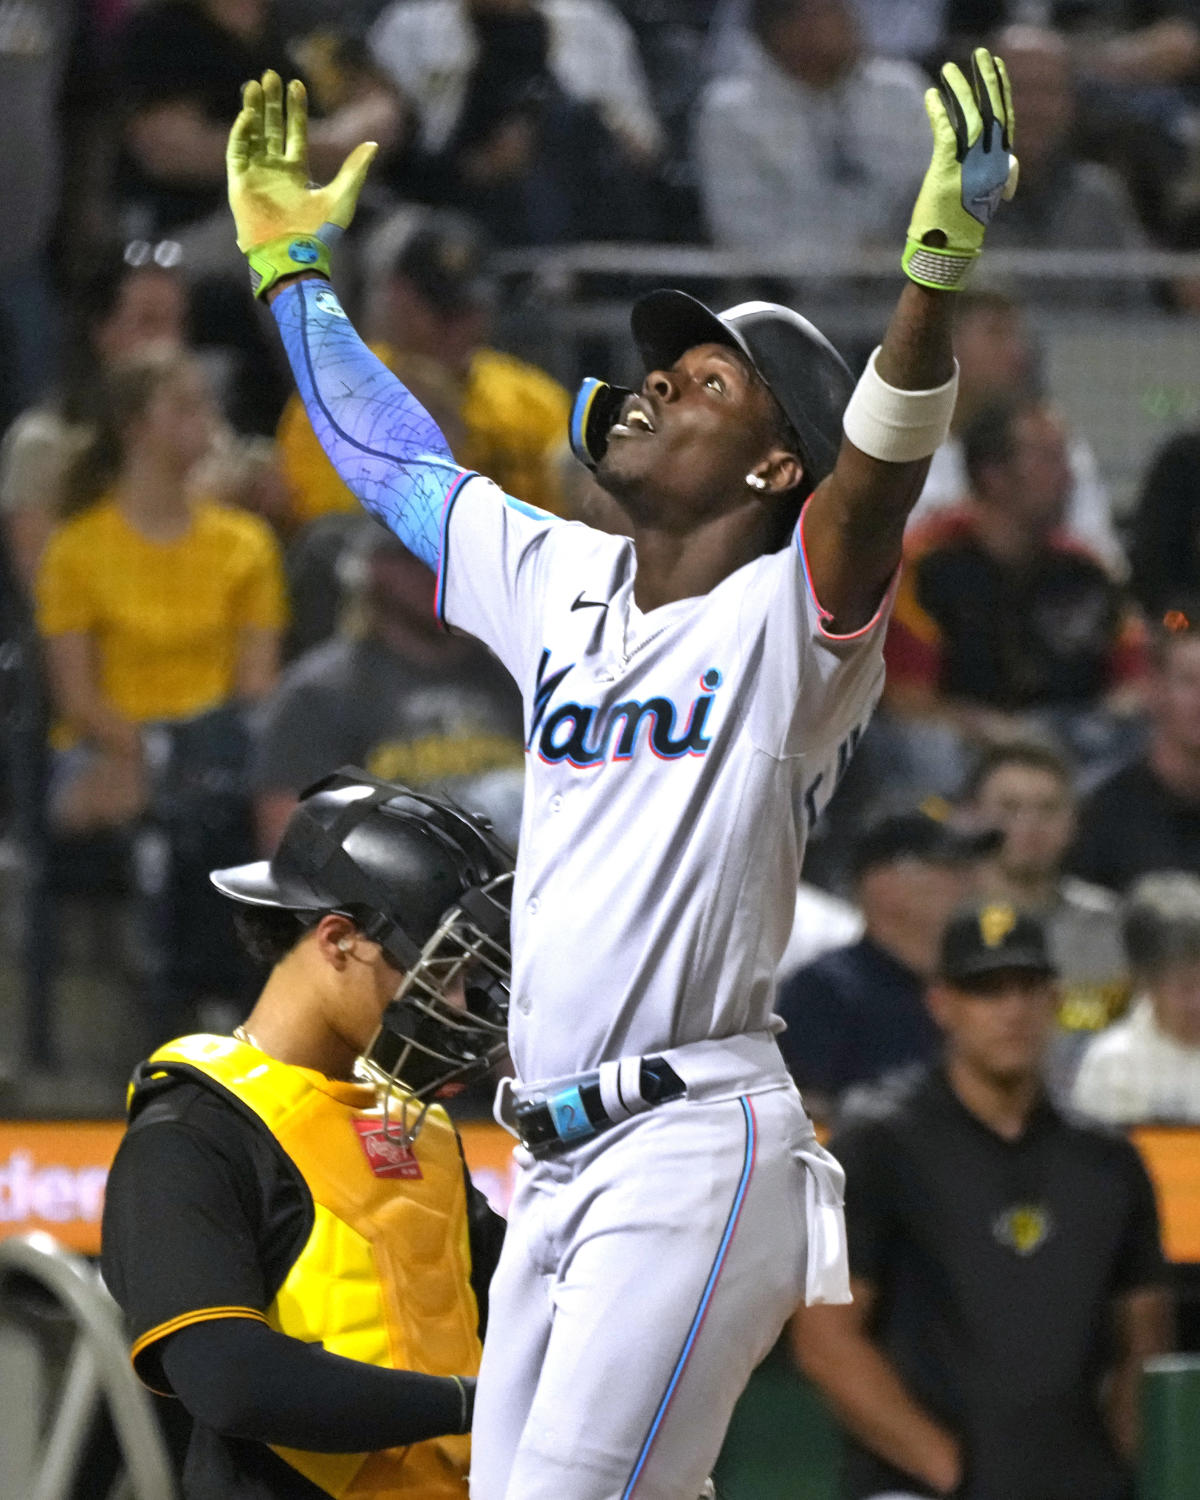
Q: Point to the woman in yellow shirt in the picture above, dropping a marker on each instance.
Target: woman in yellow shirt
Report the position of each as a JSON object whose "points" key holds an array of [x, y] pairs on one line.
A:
{"points": [[155, 605]]}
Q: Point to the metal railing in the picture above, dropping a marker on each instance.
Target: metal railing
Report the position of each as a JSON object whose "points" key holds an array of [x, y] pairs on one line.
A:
{"points": [[51, 1406]]}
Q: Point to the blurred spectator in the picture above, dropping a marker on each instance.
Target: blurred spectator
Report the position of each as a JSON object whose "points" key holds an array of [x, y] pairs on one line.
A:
{"points": [[161, 615], [180, 68], [1146, 816], [118, 311], [154, 606], [821, 923], [1024, 789], [1005, 1260], [809, 140], [997, 360], [999, 615], [534, 115], [35, 40], [1146, 1068], [914, 29], [1063, 203], [429, 312], [396, 695], [857, 1012], [1164, 545]]}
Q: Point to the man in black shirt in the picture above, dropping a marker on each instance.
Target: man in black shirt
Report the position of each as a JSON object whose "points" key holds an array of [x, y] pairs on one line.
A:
{"points": [[1147, 816], [1005, 1261], [289, 1228]]}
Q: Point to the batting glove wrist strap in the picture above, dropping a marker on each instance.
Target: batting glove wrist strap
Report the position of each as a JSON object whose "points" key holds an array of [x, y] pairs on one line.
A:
{"points": [[973, 170], [944, 270], [288, 256]]}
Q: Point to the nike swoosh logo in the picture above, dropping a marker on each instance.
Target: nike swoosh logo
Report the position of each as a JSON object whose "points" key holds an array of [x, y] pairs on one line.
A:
{"points": [[582, 603]]}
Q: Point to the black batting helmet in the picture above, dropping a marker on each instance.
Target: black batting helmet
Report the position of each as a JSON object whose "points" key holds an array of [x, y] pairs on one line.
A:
{"points": [[431, 885], [808, 378]]}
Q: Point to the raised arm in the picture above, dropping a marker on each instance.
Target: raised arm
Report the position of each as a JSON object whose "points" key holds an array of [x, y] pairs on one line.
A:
{"points": [[385, 446], [900, 412]]}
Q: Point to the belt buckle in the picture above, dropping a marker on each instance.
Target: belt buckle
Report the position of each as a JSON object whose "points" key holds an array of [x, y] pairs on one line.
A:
{"points": [[549, 1124]]}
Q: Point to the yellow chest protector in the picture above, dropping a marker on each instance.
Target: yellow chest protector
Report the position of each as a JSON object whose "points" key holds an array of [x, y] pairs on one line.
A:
{"points": [[384, 1276]]}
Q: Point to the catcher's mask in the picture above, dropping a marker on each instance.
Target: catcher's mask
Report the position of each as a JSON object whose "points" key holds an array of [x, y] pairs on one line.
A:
{"points": [[430, 883], [795, 361]]}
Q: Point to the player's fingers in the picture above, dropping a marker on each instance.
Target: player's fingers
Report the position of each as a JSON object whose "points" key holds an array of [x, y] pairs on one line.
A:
{"points": [[944, 137], [1010, 117], [272, 89], [237, 148], [346, 186], [296, 149], [960, 101], [986, 88], [245, 139]]}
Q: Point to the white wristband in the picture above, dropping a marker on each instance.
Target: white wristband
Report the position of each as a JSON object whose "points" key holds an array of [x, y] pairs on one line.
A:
{"points": [[898, 426]]}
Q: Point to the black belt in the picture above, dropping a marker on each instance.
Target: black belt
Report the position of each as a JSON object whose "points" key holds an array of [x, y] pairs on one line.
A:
{"points": [[550, 1123]]}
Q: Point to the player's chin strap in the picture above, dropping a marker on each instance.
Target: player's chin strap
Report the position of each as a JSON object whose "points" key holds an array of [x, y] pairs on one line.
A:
{"points": [[597, 406]]}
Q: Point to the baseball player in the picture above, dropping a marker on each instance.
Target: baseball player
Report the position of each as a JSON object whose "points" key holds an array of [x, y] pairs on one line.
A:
{"points": [[692, 691], [299, 1255]]}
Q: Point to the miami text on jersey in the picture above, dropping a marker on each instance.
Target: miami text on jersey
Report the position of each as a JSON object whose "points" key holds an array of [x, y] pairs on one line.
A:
{"points": [[586, 735]]}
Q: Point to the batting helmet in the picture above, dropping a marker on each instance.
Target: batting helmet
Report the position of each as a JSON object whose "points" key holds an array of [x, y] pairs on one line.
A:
{"points": [[808, 378], [431, 885]]}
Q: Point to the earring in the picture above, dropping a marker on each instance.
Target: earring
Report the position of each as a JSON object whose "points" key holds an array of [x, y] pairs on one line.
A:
{"points": [[756, 481], [344, 945]]}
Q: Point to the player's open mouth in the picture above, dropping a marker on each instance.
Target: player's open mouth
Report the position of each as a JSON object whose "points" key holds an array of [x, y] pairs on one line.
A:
{"points": [[635, 420]]}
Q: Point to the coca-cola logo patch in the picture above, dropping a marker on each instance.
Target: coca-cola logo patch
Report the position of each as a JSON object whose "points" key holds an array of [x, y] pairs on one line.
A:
{"points": [[387, 1155]]}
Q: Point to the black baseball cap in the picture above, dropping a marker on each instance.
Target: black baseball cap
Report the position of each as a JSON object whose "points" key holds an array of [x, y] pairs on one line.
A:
{"points": [[993, 937], [445, 259], [919, 835]]}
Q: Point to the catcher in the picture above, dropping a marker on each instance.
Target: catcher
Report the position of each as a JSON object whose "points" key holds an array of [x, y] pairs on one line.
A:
{"points": [[290, 1230]]}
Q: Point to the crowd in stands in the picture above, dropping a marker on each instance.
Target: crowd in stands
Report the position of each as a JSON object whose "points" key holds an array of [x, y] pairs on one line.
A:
{"points": [[196, 615]]}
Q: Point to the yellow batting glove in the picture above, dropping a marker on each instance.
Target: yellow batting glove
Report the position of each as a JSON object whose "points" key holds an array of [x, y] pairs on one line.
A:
{"points": [[972, 170], [283, 224]]}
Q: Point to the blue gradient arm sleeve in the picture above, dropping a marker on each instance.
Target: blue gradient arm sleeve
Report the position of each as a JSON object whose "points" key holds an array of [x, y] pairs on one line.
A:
{"points": [[384, 445]]}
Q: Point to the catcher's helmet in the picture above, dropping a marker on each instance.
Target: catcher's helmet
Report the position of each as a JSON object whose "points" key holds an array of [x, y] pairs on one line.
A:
{"points": [[799, 366], [431, 885]]}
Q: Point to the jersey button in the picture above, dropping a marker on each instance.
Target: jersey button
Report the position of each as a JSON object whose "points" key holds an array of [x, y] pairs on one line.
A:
{"points": [[533, 905], [556, 802]]}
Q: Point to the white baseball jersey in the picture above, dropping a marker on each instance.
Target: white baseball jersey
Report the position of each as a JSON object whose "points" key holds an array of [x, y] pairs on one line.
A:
{"points": [[675, 762]]}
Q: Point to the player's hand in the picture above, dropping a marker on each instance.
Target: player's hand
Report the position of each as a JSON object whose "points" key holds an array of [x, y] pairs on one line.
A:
{"points": [[284, 225], [972, 170]]}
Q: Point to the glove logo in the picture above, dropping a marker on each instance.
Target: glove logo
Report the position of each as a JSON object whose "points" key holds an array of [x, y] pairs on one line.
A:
{"points": [[984, 205], [303, 252]]}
